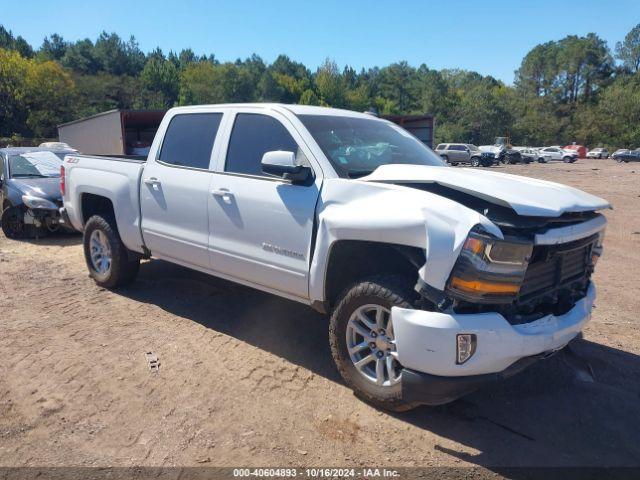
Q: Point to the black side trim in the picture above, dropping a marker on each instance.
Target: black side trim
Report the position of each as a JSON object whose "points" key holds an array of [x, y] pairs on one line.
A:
{"points": [[419, 387]]}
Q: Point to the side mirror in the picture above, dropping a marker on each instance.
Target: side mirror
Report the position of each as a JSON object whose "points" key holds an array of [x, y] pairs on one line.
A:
{"points": [[283, 164]]}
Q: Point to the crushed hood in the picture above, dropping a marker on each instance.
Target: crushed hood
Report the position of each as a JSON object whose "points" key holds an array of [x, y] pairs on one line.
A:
{"points": [[47, 188], [526, 196]]}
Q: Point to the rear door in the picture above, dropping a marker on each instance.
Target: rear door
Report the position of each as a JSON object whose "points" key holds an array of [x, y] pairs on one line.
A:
{"points": [[459, 153], [261, 226], [554, 153], [175, 189]]}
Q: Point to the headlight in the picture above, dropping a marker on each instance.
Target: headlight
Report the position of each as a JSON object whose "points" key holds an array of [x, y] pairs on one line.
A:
{"points": [[35, 202], [489, 270]]}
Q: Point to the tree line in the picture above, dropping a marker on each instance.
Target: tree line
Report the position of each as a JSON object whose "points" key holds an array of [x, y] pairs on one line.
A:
{"points": [[572, 90]]}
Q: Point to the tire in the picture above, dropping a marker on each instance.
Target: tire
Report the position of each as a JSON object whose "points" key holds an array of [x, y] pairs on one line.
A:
{"points": [[475, 161], [120, 270], [444, 158], [13, 225], [541, 160], [566, 159], [381, 292]]}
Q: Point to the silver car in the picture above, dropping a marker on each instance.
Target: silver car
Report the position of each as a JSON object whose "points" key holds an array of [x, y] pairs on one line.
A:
{"points": [[455, 153], [598, 153]]}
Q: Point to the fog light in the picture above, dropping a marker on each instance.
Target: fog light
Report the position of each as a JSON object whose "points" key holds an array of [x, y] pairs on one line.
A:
{"points": [[465, 347]]}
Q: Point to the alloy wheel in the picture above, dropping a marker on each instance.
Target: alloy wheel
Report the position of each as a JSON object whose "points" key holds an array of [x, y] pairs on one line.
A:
{"points": [[371, 345], [100, 252]]}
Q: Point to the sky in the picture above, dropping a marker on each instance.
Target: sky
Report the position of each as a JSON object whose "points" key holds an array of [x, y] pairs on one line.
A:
{"points": [[490, 37]]}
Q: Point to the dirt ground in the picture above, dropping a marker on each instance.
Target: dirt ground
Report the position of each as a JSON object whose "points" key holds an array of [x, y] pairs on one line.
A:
{"points": [[246, 379]]}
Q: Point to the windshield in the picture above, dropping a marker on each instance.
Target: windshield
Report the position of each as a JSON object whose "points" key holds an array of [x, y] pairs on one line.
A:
{"points": [[472, 147], [357, 146], [35, 164]]}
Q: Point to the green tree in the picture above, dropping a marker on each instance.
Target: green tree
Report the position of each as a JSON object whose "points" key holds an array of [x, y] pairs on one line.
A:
{"points": [[118, 57], [53, 48], [48, 94], [160, 81], [80, 57], [329, 84], [102, 91], [283, 81], [19, 44], [207, 83], [538, 70], [309, 97], [399, 83], [13, 70], [628, 51]]}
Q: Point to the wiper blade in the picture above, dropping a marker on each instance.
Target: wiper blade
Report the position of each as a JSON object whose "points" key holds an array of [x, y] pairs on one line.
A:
{"points": [[358, 173]]}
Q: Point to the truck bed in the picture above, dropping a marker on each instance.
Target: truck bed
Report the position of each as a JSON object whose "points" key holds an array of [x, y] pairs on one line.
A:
{"points": [[116, 178]]}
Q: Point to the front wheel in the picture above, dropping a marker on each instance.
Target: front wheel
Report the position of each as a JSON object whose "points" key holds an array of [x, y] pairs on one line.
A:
{"points": [[13, 223], [566, 159], [362, 339], [106, 256]]}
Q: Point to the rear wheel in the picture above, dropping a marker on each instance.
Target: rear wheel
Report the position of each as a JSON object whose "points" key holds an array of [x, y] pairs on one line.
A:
{"points": [[362, 339], [445, 159], [475, 161], [106, 256]]}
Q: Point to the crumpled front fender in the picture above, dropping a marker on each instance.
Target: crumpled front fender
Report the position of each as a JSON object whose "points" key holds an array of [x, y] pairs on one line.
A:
{"points": [[386, 213]]}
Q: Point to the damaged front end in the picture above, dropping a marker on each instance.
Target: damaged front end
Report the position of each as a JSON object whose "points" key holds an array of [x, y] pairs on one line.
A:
{"points": [[35, 218], [541, 266]]}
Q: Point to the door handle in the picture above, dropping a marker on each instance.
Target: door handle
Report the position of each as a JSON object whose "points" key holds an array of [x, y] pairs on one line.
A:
{"points": [[223, 193], [152, 182]]}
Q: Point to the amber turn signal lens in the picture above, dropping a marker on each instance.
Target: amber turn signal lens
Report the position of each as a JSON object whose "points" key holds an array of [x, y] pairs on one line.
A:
{"points": [[482, 286], [474, 245]]}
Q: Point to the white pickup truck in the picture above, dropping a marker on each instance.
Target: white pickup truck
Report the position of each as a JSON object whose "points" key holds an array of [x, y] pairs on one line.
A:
{"points": [[438, 280]]}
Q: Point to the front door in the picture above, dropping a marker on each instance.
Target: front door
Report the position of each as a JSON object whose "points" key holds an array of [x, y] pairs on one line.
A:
{"points": [[175, 190], [261, 226]]}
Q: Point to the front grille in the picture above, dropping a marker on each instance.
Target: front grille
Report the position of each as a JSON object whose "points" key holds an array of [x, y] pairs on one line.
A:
{"points": [[554, 268]]}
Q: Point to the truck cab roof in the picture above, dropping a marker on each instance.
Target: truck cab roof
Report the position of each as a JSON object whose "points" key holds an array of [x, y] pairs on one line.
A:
{"points": [[295, 109]]}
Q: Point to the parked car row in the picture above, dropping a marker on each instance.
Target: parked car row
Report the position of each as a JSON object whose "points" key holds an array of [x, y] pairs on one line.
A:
{"points": [[487, 155]]}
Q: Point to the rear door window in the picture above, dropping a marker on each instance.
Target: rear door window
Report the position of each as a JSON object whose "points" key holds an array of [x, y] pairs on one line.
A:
{"points": [[189, 140], [252, 136]]}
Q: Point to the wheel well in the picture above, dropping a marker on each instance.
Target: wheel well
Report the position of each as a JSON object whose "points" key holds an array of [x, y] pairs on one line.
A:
{"points": [[351, 260], [95, 205]]}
